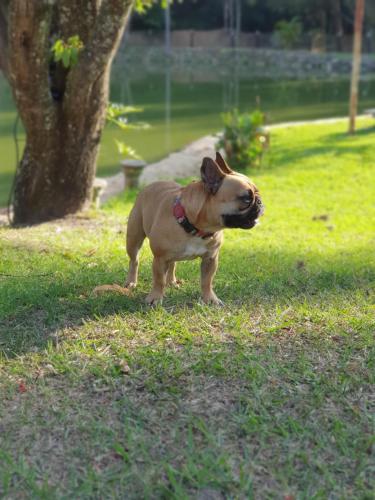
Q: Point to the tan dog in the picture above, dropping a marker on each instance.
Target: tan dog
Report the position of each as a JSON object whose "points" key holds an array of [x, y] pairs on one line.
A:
{"points": [[183, 223]]}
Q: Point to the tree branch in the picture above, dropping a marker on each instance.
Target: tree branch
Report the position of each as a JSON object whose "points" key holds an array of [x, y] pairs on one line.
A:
{"points": [[28, 61]]}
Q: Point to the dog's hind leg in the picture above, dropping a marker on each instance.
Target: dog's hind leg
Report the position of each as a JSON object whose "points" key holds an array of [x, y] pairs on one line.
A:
{"points": [[171, 275], [135, 236]]}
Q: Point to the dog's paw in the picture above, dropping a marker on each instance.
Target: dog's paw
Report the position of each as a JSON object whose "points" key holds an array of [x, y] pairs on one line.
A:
{"points": [[130, 284], [154, 299], [175, 283], [212, 300]]}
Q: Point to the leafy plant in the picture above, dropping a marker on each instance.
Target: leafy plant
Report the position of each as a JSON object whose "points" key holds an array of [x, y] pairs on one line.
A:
{"points": [[116, 114], [289, 32], [244, 138], [67, 52], [141, 6]]}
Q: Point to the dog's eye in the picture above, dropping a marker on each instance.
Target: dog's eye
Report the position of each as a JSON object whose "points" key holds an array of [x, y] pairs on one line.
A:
{"points": [[245, 199]]}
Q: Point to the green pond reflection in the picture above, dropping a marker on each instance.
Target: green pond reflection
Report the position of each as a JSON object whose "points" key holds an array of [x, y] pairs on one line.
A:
{"points": [[182, 108]]}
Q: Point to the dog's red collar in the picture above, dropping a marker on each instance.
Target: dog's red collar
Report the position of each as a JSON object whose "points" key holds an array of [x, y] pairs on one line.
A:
{"points": [[180, 216]]}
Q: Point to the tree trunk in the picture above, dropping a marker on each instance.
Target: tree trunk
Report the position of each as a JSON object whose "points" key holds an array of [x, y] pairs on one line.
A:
{"points": [[356, 64], [62, 110], [232, 33], [56, 173], [238, 22], [337, 17], [226, 15], [167, 20], [58, 166], [337, 24]]}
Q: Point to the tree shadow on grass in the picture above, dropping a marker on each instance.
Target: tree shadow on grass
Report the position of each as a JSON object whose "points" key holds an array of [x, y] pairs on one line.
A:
{"points": [[285, 157], [342, 136], [35, 308], [338, 143]]}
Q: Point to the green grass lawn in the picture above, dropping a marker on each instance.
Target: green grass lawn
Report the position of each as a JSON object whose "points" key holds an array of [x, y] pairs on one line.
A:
{"points": [[267, 397]]}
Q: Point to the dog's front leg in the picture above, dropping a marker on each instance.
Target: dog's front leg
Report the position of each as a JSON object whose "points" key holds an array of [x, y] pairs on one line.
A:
{"points": [[159, 272], [208, 270]]}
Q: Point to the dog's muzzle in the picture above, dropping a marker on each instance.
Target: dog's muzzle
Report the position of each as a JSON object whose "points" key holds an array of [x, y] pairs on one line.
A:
{"points": [[246, 219]]}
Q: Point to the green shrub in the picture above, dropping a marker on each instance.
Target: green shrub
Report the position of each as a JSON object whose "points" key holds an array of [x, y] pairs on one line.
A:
{"points": [[289, 32], [244, 138]]}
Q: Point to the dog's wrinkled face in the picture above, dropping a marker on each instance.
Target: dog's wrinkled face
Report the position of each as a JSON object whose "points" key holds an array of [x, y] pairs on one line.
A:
{"points": [[235, 199]]}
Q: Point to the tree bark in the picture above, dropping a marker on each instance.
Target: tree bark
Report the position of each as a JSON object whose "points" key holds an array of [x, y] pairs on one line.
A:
{"points": [[58, 169], [337, 24], [62, 110], [356, 64], [238, 21], [3, 37], [167, 20]]}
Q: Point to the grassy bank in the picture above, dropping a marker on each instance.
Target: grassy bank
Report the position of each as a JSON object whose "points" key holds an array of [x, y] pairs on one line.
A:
{"points": [[196, 100], [267, 397]]}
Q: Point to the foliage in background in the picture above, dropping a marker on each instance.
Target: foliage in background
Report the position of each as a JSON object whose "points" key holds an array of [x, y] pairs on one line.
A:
{"points": [[289, 32], [244, 138], [67, 52], [141, 6], [328, 16], [116, 114]]}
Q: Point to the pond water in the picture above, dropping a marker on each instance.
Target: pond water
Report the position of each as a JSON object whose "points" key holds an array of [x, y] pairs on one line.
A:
{"points": [[183, 107]]}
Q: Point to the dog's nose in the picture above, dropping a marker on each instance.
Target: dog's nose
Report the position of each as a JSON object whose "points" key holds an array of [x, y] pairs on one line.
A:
{"points": [[260, 206]]}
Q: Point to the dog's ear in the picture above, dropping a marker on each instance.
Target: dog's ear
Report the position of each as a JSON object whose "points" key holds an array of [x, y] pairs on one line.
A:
{"points": [[223, 164], [212, 175]]}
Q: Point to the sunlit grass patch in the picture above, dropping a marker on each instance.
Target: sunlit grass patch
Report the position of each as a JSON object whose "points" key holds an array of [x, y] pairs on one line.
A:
{"points": [[269, 396]]}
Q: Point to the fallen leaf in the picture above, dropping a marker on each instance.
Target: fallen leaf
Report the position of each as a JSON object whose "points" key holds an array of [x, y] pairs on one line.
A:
{"points": [[90, 252], [99, 290], [22, 387]]}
